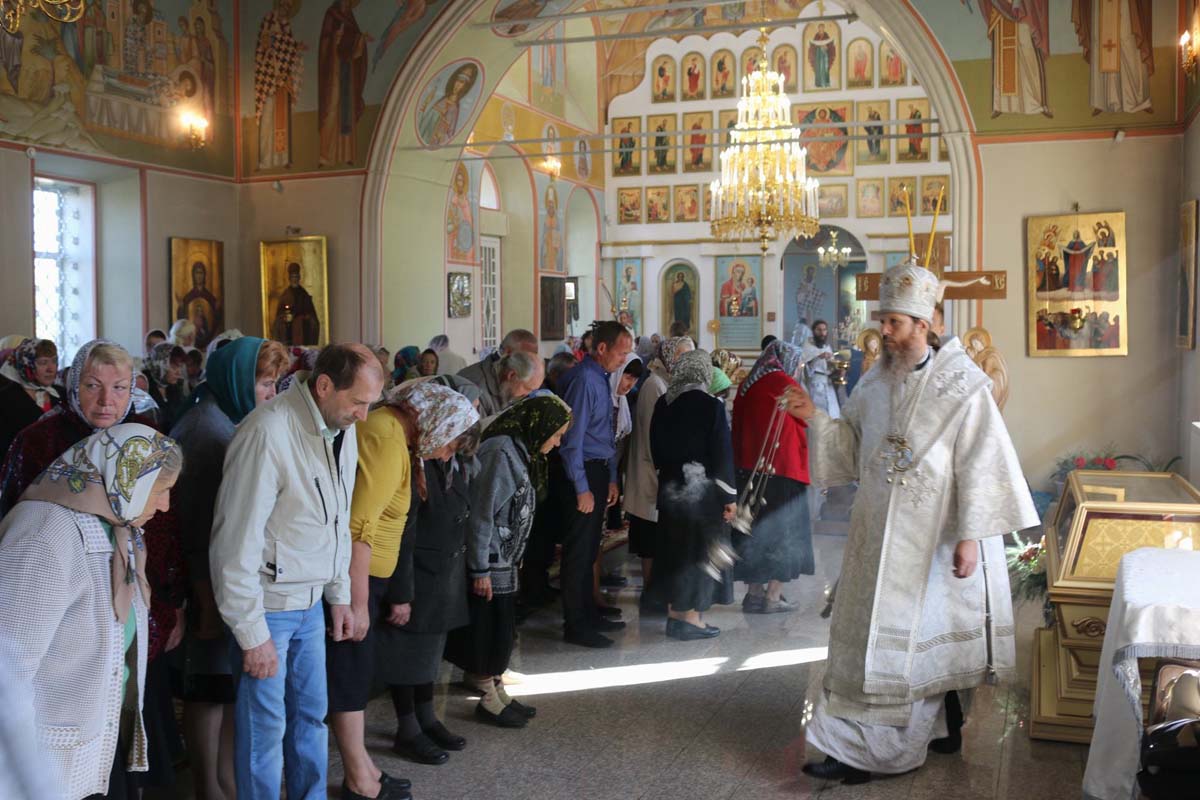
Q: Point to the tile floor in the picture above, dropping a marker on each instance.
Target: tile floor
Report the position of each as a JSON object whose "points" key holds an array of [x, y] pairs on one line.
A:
{"points": [[656, 718]]}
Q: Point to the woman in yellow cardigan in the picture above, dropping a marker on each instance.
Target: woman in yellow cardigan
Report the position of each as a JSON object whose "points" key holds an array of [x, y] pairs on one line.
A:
{"points": [[408, 426]]}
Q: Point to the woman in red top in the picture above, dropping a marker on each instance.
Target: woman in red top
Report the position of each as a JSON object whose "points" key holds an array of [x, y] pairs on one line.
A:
{"points": [[779, 547]]}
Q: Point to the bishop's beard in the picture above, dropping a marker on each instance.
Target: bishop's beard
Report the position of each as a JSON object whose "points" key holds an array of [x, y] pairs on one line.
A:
{"points": [[899, 364]]}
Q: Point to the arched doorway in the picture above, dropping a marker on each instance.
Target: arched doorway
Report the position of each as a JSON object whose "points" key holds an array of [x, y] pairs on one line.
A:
{"points": [[813, 292]]}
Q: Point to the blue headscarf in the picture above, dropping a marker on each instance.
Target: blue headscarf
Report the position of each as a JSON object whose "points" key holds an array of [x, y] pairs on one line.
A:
{"points": [[230, 374]]}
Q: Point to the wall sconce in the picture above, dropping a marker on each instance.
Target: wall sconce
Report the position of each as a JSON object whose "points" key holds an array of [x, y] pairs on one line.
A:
{"points": [[1187, 55], [195, 127], [553, 166]]}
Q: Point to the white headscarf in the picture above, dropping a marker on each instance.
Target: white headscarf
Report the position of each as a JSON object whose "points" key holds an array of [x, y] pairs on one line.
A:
{"points": [[621, 402]]}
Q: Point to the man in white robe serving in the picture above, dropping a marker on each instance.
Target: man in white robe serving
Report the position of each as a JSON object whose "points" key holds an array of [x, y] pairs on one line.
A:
{"points": [[923, 607], [818, 369]]}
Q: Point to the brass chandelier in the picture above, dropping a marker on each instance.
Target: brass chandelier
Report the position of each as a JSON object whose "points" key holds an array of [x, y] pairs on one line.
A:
{"points": [[764, 190], [11, 11]]}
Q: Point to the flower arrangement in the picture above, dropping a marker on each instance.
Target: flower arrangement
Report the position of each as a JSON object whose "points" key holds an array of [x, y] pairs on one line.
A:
{"points": [[1027, 567], [1106, 459]]}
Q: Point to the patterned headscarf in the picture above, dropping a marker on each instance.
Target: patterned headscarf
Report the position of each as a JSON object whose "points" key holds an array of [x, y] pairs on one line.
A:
{"points": [[647, 348], [780, 356], [158, 363], [693, 370], [670, 351], [75, 377], [727, 362], [442, 414], [21, 367], [532, 422], [111, 475]]}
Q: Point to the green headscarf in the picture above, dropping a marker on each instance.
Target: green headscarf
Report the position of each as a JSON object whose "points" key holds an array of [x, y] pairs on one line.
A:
{"points": [[230, 374], [532, 421], [720, 382]]}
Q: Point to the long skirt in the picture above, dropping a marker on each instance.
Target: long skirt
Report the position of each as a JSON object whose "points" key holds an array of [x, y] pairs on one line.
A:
{"points": [[407, 658], [485, 646], [643, 537], [779, 547], [685, 548]]}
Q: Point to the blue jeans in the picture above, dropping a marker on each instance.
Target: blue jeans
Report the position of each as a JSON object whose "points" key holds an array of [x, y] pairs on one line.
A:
{"points": [[281, 720]]}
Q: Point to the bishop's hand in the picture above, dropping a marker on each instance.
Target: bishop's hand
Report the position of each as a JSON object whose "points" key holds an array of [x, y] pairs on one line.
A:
{"points": [[798, 403]]}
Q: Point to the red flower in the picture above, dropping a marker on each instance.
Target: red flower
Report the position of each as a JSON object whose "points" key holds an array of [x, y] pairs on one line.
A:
{"points": [[1110, 463], [1080, 462]]}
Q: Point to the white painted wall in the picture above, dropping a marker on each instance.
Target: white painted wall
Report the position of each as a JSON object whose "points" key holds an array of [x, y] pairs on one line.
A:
{"points": [[1189, 360], [1060, 404], [119, 206], [16, 234]]}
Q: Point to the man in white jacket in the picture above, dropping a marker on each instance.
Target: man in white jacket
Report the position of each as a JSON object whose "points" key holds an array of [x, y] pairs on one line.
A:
{"points": [[281, 542]]}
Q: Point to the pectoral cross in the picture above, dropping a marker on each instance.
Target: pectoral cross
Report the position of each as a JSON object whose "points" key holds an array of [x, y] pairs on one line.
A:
{"points": [[898, 458]]}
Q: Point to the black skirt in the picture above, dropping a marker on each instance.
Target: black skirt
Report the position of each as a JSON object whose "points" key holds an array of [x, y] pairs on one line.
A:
{"points": [[349, 665], [779, 547], [643, 537], [686, 542], [485, 646]]}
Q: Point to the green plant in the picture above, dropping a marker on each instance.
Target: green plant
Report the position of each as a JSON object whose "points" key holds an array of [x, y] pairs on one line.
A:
{"points": [[1027, 569], [1148, 466]]}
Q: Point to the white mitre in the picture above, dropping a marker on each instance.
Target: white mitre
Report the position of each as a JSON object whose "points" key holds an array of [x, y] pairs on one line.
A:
{"points": [[910, 289]]}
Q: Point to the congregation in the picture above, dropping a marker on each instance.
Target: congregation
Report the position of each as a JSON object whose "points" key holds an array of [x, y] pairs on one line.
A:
{"points": [[271, 535]]}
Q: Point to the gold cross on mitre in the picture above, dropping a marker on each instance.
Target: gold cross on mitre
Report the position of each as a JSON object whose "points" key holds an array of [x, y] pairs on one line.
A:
{"points": [[983, 285]]}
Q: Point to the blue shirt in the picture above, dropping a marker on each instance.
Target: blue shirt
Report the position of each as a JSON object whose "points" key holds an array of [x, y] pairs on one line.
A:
{"points": [[586, 390]]}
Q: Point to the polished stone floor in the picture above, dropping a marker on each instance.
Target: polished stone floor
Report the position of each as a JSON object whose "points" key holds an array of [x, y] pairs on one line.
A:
{"points": [[656, 718]]}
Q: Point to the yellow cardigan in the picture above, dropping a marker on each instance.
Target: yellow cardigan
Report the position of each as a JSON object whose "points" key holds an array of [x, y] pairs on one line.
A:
{"points": [[382, 489]]}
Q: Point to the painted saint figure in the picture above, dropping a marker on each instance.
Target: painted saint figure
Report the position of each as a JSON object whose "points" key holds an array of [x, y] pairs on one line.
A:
{"points": [[1020, 34], [552, 256], [731, 290], [296, 322], [874, 131], [1076, 255], [278, 63], [1117, 41], [625, 147], [697, 141], [460, 218], [915, 128], [681, 299], [342, 63], [695, 74], [135, 53], [200, 301], [662, 147], [822, 54], [439, 120]]}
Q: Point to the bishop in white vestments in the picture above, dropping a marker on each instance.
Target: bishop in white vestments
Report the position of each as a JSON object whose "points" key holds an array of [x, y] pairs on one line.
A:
{"points": [[818, 369], [923, 606]]}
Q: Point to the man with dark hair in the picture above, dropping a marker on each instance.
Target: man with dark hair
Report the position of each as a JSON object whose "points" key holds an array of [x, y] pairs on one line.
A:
{"points": [[818, 369], [281, 542], [587, 482], [679, 328], [766, 341]]}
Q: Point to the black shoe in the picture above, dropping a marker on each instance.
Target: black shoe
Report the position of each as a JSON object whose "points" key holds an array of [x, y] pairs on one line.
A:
{"points": [[952, 742], [614, 580], [529, 712], [508, 718], [386, 792], [831, 770], [608, 612], [395, 784], [587, 639], [607, 625], [443, 738], [420, 749], [687, 632]]}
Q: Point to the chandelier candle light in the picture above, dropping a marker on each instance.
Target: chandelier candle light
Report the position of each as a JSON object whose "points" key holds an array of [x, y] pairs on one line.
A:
{"points": [[764, 190]]}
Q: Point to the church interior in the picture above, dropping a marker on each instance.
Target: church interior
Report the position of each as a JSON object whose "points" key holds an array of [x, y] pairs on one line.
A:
{"points": [[325, 171]]}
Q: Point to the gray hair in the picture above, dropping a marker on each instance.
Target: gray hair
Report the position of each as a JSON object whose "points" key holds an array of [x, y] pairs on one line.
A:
{"points": [[439, 342], [517, 339], [523, 365]]}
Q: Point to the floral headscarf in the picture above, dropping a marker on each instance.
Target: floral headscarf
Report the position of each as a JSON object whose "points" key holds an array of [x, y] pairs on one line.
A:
{"points": [[21, 367], [442, 414], [779, 356], [111, 475], [158, 363], [75, 377], [670, 351], [532, 422], [693, 370], [727, 362]]}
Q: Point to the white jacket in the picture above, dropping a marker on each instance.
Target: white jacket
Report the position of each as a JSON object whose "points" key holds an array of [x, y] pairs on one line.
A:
{"points": [[281, 529], [62, 648]]}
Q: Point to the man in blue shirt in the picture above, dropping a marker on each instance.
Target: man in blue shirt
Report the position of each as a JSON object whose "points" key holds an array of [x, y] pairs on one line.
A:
{"points": [[589, 484]]}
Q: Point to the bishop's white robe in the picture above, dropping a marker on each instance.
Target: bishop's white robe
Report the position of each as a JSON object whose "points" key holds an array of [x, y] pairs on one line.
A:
{"points": [[904, 629]]}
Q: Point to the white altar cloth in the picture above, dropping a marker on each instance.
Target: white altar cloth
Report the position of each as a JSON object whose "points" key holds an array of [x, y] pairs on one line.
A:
{"points": [[1155, 613]]}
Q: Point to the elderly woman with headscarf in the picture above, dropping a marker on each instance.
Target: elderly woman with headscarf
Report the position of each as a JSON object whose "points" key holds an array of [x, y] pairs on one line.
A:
{"points": [[641, 479], [423, 598], [72, 563], [165, 372], [407, 363], [99, 395], [513, 478], [777, 546], [27, 387], [240, 376], [689, 441]]}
